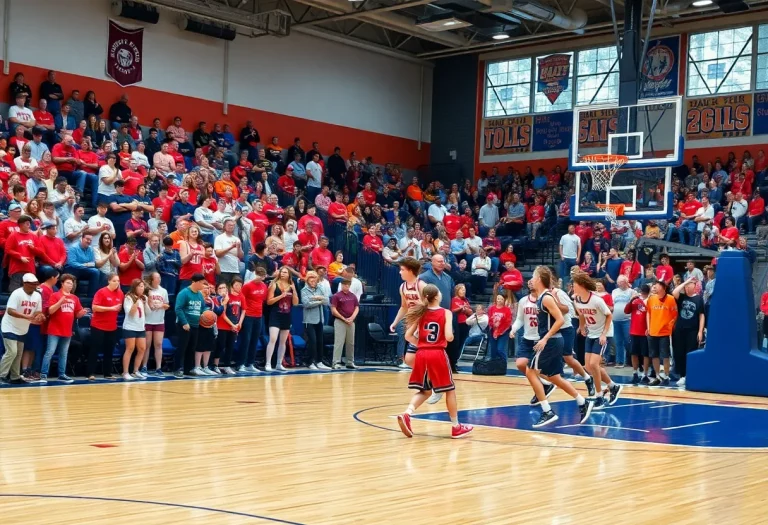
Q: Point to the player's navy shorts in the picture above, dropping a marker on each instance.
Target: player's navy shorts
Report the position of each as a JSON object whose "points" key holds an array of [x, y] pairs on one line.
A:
{"points": [[569, 336], [640, 345], [658, 346], [524, 348], [549, 362], [431, 371], [410, 349], [593, 346]]}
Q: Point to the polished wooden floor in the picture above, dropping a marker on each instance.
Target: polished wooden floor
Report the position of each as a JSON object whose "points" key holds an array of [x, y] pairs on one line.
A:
{"points": [[324, 449]]}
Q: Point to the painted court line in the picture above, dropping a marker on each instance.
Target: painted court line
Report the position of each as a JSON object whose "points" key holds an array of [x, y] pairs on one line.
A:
{"points": [[603, 426], [628, 405], [666, 406], [691, 425]]}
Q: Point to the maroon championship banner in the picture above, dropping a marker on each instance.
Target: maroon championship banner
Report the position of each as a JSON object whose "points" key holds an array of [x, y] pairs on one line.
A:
{"points": [[124, 54]]}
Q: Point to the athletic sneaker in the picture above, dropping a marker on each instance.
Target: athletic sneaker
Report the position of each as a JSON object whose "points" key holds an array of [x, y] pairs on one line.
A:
{"points": [[281, 368], [403, 366], [404, 420], [548, 389], [545, 419], [590, 382], [599, 403], [351, 366], [206, 372], [635, 379], [229, 371], [252, 370], [179, 374], [434, 398], [143, 371], [665, 382], [127, 377], [158, 373], [313, 366], [681, 382], [215, 370], [323, 366], [586, 409], [197, 371], [645, 381], [43, 379], [614, 392], [269, 369], [655, 382], [459, 431], [338, 366], [139, 375]]}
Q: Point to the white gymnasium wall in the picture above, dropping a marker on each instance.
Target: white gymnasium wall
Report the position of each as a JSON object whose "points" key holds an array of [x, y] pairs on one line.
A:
{"points": [[299, 76]]}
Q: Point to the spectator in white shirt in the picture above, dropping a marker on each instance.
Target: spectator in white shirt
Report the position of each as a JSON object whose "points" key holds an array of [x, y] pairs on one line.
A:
{"points": [[436, 212], [314, 177], [478, 324], [20, 115], [570, 253], [704, 215], [356, 287]]}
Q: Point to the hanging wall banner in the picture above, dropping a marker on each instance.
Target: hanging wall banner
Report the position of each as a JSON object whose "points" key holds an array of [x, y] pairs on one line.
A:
{"points": [[552, 131], [554, 71], [718, 117], [502, 136], [761, 114], [596, 125], [125, 54], [661, 68]]}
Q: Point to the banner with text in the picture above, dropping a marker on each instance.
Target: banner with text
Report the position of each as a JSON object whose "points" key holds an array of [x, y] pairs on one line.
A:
{"points": [[554, 71], [661, 68], [552, 131], [502, 136], [761, 114], [124, 54], [594, 127], [718, 117]]}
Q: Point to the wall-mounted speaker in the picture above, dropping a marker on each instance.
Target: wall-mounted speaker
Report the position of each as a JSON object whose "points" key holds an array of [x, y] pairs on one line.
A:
{"points": [[135, 11], [203, 28]]}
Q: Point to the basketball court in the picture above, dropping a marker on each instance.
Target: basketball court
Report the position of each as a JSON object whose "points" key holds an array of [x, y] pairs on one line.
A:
{"points": [[324, 448]]}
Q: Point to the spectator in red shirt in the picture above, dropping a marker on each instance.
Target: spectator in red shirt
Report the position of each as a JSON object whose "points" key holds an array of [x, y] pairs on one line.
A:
{"points": [[499, 323], [369, 195], [729, 236], [308, 238], [337, 211], [273, 211], [66, 160], [50, 248], [286, 183], [372, 241], [44, 121], [296, 261], [511, 279], [638, 328], [535, 217], [89, 169], [507, 256], [755, 212], [311, 216], [584, 232], [106, 304], [452, 223], [163, 202], [630, 267], [20, 251], [131, 263], [132, 178], [321, 255], [11, 224]]}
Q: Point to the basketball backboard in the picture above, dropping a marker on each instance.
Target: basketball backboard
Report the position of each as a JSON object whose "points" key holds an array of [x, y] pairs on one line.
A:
{"points": [[644, 192], [649, 133]]}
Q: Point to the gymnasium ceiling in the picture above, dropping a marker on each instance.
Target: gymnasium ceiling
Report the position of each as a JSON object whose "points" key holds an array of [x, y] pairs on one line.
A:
{"points": [[463, 26]]}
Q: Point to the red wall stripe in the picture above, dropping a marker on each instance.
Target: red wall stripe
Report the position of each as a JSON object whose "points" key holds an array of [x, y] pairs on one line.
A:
{"points": [[150, 103]]}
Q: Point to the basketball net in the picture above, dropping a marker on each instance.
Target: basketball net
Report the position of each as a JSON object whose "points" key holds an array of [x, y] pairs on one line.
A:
{"points": [[603, 167]]}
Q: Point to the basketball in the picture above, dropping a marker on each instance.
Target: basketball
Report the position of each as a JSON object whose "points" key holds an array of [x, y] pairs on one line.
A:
{"points": [[207, 319]]}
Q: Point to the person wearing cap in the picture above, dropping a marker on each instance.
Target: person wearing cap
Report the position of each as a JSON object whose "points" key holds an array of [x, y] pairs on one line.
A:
{"points": [[20, 252], [50, 247], [39, 147], [189, 306], [24, 306], [287, 185], [20, 115]]}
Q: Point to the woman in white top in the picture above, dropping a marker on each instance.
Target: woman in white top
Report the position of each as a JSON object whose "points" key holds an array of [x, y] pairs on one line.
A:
{"points": [[481, 265], [289, 235], [134, 329], [106, 255], [108, 175], [157, 304]]}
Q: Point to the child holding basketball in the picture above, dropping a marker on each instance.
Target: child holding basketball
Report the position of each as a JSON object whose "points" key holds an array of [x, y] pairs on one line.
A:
{"points": [[431, 369]]}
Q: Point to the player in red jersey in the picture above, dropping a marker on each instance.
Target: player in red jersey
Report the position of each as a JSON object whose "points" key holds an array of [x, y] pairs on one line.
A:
{"points": [[410, 296], [431, 368]]}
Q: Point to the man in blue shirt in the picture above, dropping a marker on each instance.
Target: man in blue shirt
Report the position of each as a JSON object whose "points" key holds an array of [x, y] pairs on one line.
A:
{"points": [[37, 146], [540, 181], [120, 208], [81, 262], [182, 209]]}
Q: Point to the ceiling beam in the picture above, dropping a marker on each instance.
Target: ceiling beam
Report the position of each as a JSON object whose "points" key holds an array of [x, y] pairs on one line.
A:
{"points": [[358, 14]]}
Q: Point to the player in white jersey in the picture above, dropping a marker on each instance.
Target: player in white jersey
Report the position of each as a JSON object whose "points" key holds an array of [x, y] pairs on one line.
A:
{"points": [[569, 337], [595, 324], [410, 295]]}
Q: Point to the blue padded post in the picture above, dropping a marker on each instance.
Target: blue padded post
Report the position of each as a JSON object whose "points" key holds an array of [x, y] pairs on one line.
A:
{"points": [[731, 362]]}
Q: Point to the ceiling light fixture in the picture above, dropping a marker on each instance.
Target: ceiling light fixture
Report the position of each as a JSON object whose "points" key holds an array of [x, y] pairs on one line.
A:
{"points": [[702, 3], [500, 36]]}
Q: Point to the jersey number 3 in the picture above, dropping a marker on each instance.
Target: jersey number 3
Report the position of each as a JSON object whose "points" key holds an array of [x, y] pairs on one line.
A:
{"points": [[433, 332]]}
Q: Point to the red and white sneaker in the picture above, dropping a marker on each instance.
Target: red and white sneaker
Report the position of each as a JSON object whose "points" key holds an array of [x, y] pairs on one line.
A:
{"points": [[404, 420], [460, 431]]}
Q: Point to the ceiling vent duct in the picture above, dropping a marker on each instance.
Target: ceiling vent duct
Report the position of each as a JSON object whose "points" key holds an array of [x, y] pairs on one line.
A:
{"points": [[135, 11], [203, 28], [574, 21]]}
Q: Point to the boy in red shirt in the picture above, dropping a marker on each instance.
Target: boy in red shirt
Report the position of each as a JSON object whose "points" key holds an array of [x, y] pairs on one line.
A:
{"points": [[372, 241], [210, 264], [254, 293], [131, 263], [296, 260], [664, 271], [638, 328], [321, 255]]}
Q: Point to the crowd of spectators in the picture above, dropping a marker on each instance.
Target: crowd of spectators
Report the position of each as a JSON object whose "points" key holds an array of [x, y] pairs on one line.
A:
{"points": [[113, 198]]}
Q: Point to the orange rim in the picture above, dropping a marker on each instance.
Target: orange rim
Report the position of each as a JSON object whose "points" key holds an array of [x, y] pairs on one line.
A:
{"points": [[605, 158]]}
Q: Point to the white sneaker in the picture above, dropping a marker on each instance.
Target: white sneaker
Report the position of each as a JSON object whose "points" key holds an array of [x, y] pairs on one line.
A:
{"points": [[197, 371], [338, 366], [242, 370], [252, 370], [313, 366], [403, 366], [323, 366], [681, 382], [216, 370], [281, 368], [207, 372], [269, 369], [229, 371], [127, 377], [139, 375], [435, 397]]}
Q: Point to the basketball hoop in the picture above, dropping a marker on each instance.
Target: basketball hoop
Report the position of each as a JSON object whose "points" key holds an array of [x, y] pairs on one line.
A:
{"points": [[611, 210], [603, 167]]}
